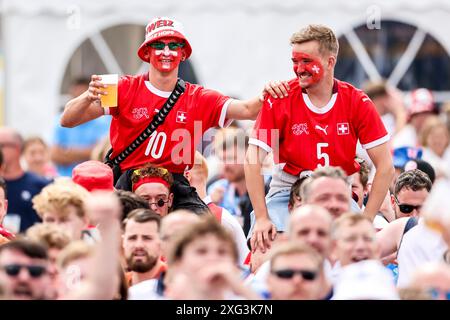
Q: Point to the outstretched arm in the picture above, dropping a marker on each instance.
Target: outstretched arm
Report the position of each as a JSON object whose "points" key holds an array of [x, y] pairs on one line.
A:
{"points": [[249, 109], [86, 106]]}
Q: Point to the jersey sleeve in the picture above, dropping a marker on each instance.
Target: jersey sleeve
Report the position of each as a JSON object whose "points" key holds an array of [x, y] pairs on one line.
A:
{"points": [[267, 126], [122, 95], [370, 128], [212, 108]]}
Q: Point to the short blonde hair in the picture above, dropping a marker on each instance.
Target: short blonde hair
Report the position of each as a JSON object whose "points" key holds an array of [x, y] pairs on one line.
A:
{"points": [[430, 124], [320, 33], [58, 196], [74, 251], [350, 218], [51, 235]]}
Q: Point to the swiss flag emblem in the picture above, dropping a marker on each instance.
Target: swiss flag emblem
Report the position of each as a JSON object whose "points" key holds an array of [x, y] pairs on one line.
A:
{"points": [[343, 128], [181, 116]]}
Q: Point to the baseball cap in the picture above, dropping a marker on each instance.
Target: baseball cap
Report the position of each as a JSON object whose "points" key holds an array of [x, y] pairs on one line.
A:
{"points": [[420, 100], [365, 280], [402, 155], [161, 27], [93, 175], [422, 166]]}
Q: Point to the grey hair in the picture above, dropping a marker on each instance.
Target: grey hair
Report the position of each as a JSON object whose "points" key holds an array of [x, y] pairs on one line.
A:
{"points": [[330, 172]]}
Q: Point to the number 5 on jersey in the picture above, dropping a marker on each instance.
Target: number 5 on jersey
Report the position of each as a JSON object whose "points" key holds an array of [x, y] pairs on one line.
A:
{"points": [[156, 144], [321, 154]]}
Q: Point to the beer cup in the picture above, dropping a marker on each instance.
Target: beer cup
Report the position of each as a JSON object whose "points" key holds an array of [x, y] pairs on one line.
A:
{"points": [[110, 99]]}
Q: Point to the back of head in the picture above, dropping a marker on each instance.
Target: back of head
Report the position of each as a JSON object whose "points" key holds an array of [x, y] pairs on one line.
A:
{"points": [[130, 201], [29, 248]]}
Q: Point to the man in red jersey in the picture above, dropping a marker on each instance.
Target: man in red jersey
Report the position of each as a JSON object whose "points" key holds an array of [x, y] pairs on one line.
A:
{"points": [[172, 144], [318, 124]]}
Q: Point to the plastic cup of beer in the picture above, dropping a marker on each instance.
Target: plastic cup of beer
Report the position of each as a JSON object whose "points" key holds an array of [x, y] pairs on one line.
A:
{"points": [[110, 99]]}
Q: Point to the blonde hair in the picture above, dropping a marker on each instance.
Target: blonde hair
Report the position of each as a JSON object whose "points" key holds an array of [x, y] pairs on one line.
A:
{"points": [[350, 218], [320, 33], [56, 197], [430, 124], [50, 235], [74, 251]]}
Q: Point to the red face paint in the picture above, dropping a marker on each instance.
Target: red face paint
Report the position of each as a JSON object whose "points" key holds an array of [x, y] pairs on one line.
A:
{"points": [[165, 60], [307, 68]]}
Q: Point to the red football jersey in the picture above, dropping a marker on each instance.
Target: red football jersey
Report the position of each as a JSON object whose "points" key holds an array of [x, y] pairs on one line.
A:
{"points": [[173, 143], [308, 137]]}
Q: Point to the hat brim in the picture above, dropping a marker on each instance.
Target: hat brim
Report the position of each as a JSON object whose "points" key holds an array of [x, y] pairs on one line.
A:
{"points": [[164, 34]]}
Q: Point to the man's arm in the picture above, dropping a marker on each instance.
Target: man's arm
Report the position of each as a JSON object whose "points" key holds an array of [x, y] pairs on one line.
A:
{"points": [[104, 208], [382, 161], [85, 107], [68, 156], [264, 230], [389, 237], [249, 109]]}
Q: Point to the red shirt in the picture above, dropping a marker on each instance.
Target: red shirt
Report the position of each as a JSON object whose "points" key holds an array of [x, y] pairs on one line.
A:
{"points": [[169, 147], [310, 137]]}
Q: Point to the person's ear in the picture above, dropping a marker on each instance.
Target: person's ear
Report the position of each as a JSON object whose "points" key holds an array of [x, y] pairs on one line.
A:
{"points": [[331, 62], [146, 53], [188, 176], [170, 200], [183, 55]]}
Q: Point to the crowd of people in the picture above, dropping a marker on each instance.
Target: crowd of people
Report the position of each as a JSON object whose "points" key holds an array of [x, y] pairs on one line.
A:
{"points": [[334, 192]]}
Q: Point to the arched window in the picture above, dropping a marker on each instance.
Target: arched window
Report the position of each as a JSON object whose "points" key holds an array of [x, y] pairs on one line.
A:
{"points": [[407, 56]]}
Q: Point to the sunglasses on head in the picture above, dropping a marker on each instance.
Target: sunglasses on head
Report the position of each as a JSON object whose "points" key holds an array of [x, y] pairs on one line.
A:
{"points": [[34, 271], [160, 203], [161, 45], [406, 208], [289, 274]]}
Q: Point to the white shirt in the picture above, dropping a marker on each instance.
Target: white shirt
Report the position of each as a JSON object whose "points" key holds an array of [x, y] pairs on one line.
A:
{"points": [[419, 246], [230, 223], [144, 290]]}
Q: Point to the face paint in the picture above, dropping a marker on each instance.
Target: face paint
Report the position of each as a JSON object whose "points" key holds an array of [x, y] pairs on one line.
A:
{"points": [[307, 68], [165, 60]]}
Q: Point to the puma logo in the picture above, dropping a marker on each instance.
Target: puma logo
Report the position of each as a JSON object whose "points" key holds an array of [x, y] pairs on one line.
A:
{"points": [[270, 103], [322, 129]]}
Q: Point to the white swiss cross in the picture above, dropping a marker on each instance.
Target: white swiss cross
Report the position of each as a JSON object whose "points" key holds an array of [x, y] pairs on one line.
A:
{"points": [[316, 69], [181, 116], [343, 128]]}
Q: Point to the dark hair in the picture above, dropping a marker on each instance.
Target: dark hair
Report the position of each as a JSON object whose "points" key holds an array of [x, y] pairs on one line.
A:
{"points": [[31, 249], [143, 216], [414, 180], [3, 185], [364, 171], [32, 140], [130, 201], [81, 81], [375, 89], [295, 190]]}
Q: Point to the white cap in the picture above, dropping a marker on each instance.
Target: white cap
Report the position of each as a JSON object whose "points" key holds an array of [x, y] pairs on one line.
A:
{"points": [[365, 280]]}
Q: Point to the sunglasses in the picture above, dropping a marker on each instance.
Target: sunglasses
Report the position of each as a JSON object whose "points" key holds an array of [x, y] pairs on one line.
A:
{"points": [[161, 45], [289, 274], [160, 203], [406, 208], [34, 271]]}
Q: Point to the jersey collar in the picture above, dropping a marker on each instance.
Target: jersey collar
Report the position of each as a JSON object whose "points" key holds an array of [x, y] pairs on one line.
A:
{"points": [[327, 107]]}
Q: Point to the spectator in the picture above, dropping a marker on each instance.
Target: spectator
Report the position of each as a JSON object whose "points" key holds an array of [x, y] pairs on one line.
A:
{"points": [[354, 239], [5, 234], [154, 185], [37, 157], [23, 270], [73, 146], [93, 175], [295, 201], [296, 273], [231, 191], [197, 178], [420, 108], [328, 187], [203, 265], [142, 246], [55, 239], [435, 139], [63, 203], [130, 201], [401, 157], [22, 186]]}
